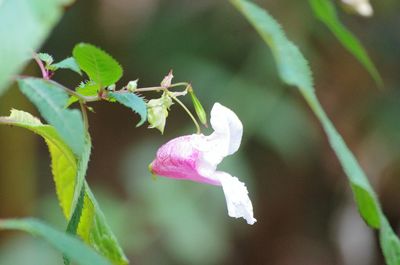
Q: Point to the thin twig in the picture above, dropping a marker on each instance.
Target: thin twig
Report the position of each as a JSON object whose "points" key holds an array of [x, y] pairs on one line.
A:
{"points": [[188, 112]]}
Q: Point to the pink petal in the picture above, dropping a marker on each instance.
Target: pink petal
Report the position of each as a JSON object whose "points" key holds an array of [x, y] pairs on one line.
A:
{"points": [[180, 158]]}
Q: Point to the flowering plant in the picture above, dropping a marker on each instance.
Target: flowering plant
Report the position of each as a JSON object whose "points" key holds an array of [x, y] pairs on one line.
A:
{"points": [[196, 157]]}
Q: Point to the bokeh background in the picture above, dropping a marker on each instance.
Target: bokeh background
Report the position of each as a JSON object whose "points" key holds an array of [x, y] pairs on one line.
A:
{"points": [[305, 211]]}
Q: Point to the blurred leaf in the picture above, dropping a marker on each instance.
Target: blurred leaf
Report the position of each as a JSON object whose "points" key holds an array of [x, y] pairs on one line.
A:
{"points": [[72, 247], [390, 243], [68, 63], [296, 72], [92, 226], [325, 11], [89, 88], [134, 102], [50, 99], [97, 64], [24, 25]]}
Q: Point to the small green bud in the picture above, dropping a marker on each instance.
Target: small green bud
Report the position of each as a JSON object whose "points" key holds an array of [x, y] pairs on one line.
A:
{"points": [[157, 112], [198, 107], [132, 85]]}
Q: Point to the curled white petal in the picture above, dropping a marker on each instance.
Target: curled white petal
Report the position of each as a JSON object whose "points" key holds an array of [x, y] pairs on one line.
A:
{"points": [[236, 196], [224, 141], [227, 128]]}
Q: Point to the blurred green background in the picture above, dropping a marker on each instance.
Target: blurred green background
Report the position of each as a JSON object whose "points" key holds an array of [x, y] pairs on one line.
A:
{"points": [[301, 198]]}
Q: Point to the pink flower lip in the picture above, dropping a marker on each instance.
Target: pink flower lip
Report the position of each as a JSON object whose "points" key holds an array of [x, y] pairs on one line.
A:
{"points": [[178, 159]]}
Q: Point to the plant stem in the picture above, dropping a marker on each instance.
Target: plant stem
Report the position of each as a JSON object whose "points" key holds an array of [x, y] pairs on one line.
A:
{"points": [[180, 84], [84, 116], [45, 74], [187, 111], [147, 89]]}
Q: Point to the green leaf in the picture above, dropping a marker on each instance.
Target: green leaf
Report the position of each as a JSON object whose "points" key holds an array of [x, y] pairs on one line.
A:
{"points": [[83, 162], [72, 227], [45, 57], [294, 70], [50, 100], [72, 247], [24, 25], [325, 11], [97, 64], [85, 89], [68, 63], [64, 168], [390, 243], [133, 102]]}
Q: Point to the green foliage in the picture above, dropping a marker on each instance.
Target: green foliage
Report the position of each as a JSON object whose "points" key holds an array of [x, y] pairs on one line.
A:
{"points": [[133, 102], [72, 227], [325, 11], [92, 225], [85, 89], [68, 63], [295, 71], [83, 162], [390, 243], [24, 25], [97, 64], [50, 99], [72, 247], [201, 114], [45, 57]]}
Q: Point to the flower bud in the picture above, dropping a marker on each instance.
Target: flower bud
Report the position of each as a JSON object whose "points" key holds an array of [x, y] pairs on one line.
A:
{"points": [[157, 112], [132, 85], [166, 82], [198, 107]]}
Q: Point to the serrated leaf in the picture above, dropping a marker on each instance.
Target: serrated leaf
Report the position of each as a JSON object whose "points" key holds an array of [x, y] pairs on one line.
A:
{"points": [[50, 100], [132, 101], [72, 227], [72, 247], [97, 64], [24, 25], [64, 168], [85, 89], [325, 11], [294, 70], [68, 63], [83, 161], [45, 57]]}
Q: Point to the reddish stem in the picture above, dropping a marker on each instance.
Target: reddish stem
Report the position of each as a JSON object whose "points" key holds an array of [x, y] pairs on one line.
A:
{"points": [[45, 74]]}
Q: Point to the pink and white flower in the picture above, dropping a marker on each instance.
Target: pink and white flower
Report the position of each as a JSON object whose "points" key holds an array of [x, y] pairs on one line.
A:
{"points": [[195, 157]]}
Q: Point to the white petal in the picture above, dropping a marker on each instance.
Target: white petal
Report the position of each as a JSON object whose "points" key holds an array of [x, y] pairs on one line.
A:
{"points": [[227, 127], [224, 141], [237, 198]]}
